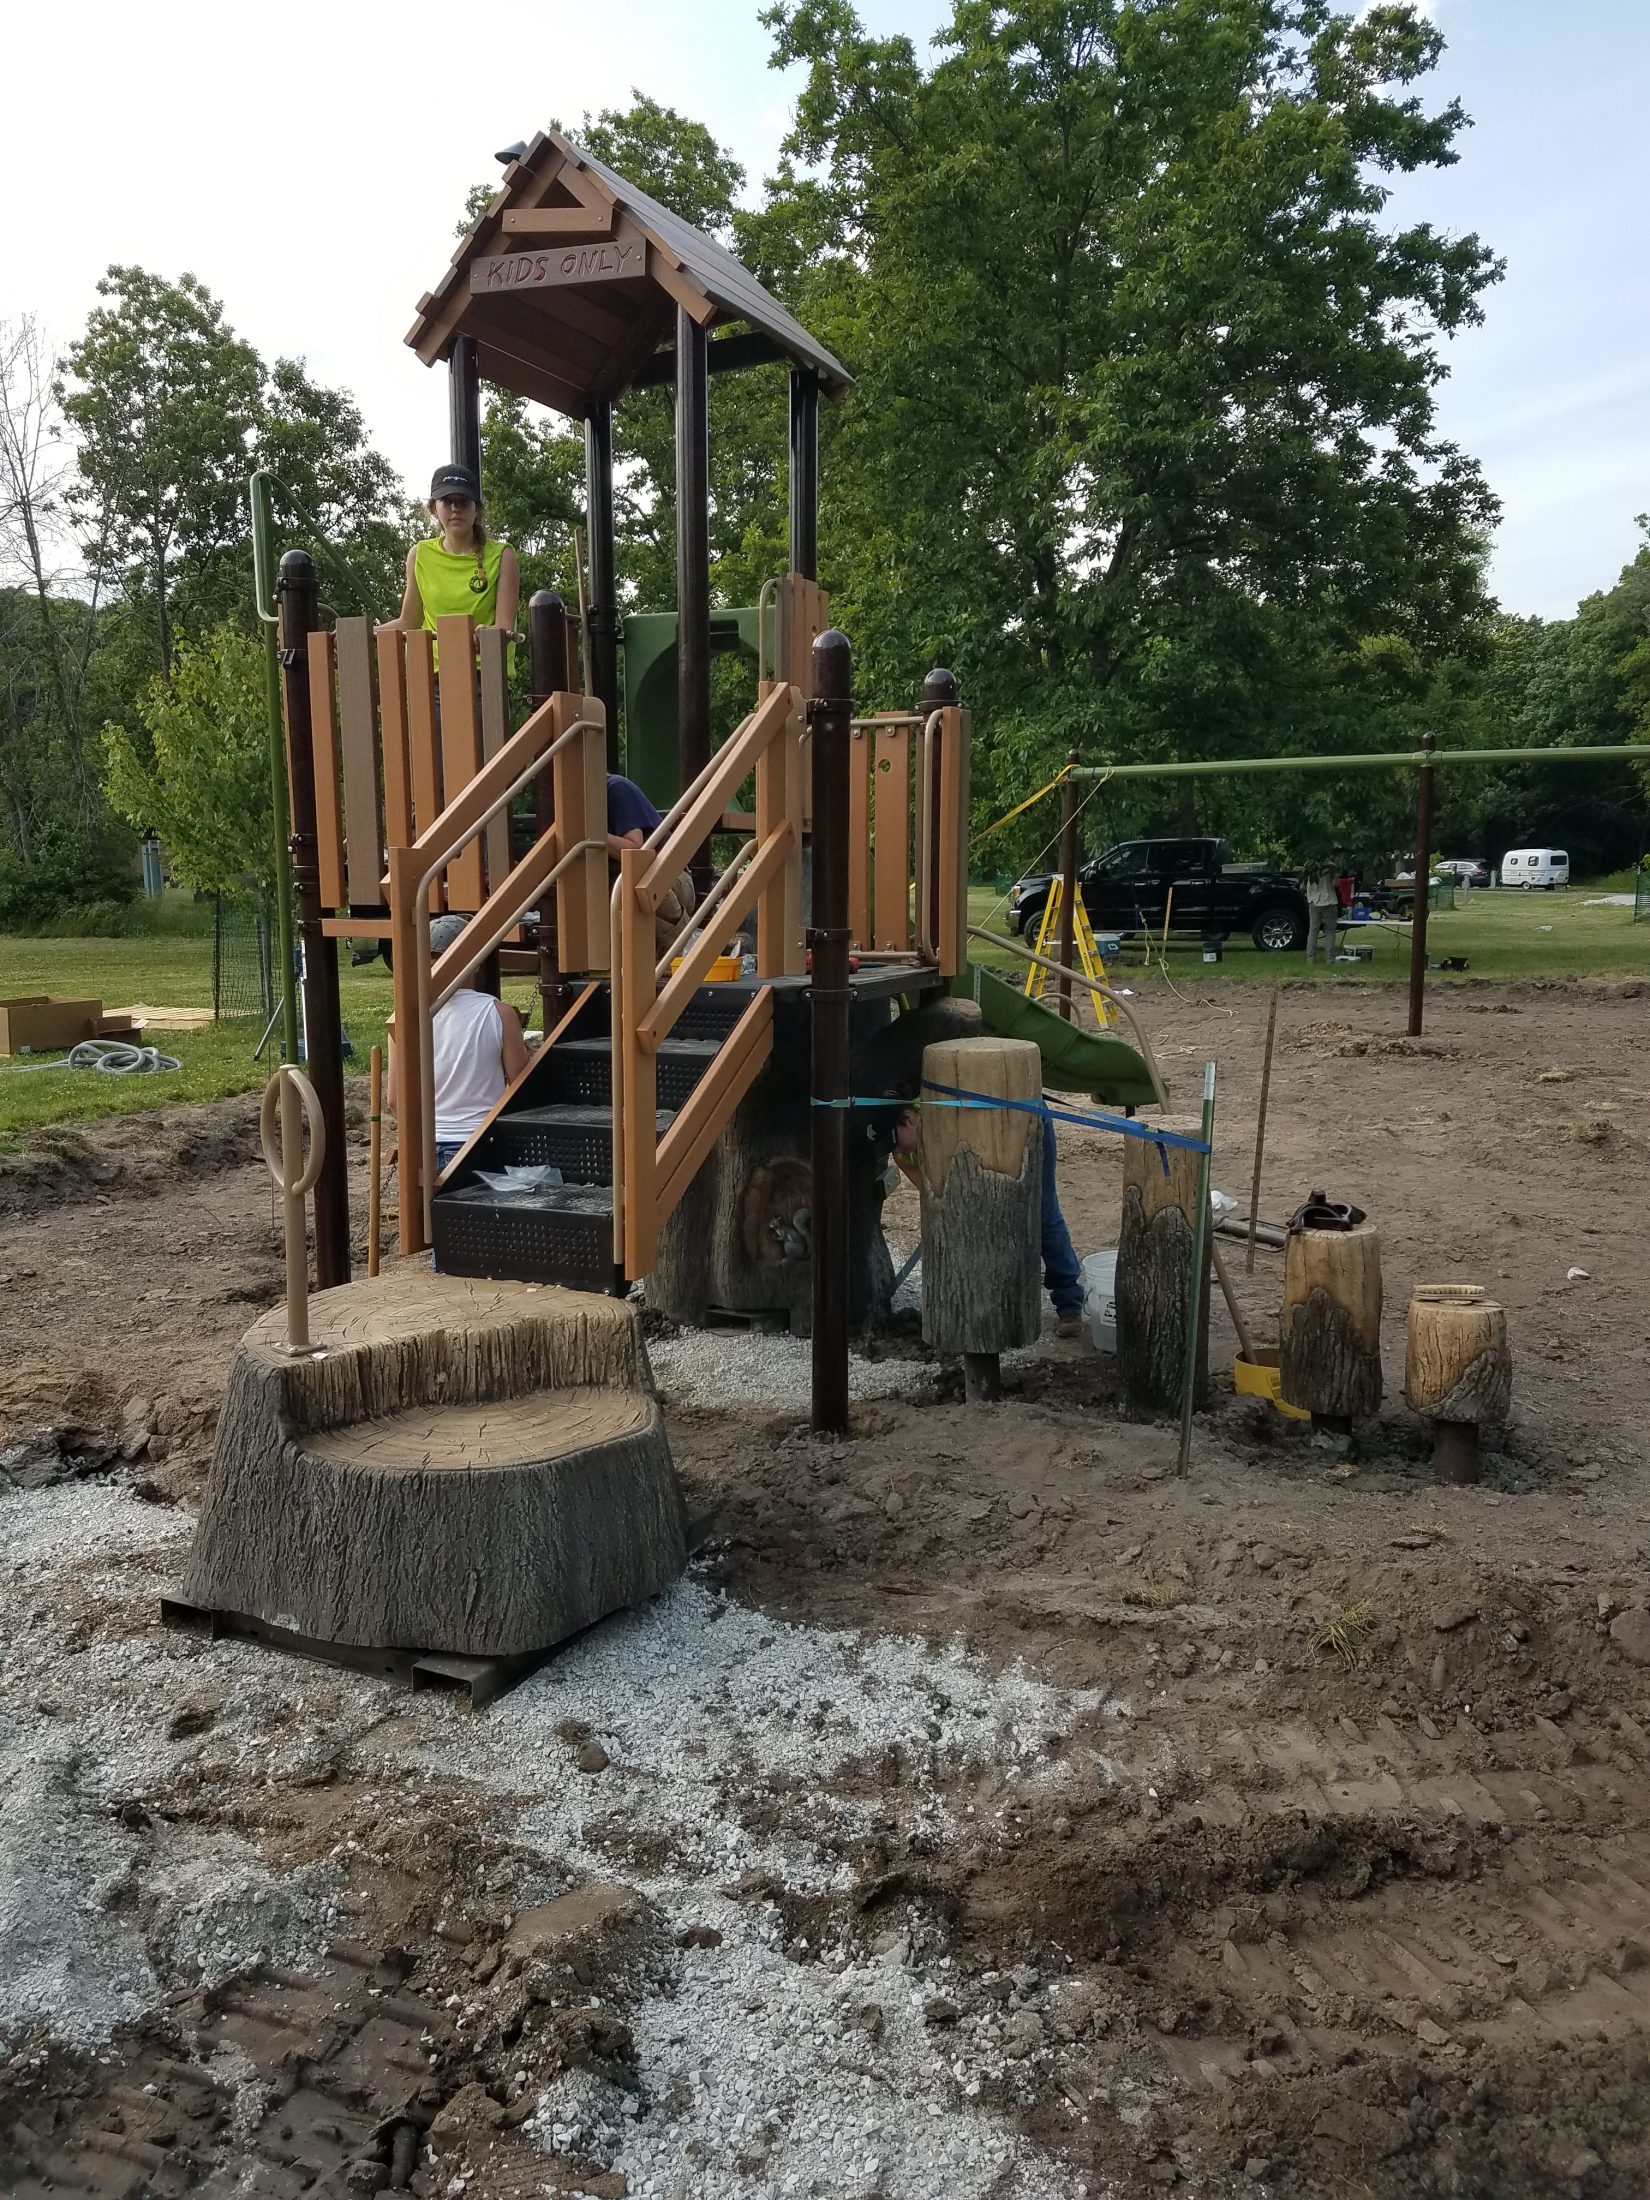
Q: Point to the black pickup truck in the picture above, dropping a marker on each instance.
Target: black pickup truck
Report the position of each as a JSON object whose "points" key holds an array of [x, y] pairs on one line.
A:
{"points": [[1127, 890]]}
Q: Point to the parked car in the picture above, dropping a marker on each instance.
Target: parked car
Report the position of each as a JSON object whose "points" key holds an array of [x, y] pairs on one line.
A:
{"points": [[1465, 870], [1531, 867], [1128, 888]]}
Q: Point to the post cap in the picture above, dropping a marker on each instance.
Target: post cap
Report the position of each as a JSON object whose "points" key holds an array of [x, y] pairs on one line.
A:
{"points": [[833, 667]]}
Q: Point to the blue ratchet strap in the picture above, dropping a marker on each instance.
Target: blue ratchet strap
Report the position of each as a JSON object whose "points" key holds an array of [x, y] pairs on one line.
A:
{"points": [[957, 1097]]}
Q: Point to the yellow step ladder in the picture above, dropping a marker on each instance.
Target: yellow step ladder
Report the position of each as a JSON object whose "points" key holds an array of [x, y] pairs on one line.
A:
{"points": [[1047, 943]]}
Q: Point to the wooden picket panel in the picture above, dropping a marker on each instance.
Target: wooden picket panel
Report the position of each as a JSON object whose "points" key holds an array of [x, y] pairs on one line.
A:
{"points": [[460, 745], [780, 950], [358, 740], [891, 826], [493, 646], [859, 835], [426, 763], [392, 720], [329, 816]]}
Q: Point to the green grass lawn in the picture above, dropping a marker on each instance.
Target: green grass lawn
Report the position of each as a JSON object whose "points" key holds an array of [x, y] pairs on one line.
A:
{"points": [[166, 972], [1502, 935]]}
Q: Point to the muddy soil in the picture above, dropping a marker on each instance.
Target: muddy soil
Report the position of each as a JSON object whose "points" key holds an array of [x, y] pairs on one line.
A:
{"points": [[1303, 1852]]}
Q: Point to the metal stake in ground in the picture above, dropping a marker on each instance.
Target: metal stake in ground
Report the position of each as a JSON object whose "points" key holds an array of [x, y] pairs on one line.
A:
{"points": [[830, 720], [1423, 889], [1260, 1131], [1200, 1243]]}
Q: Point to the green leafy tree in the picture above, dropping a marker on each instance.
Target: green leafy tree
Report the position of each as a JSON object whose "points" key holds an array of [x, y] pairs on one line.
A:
{"points": [[195, 768], [164, 399], [1144, 442]]}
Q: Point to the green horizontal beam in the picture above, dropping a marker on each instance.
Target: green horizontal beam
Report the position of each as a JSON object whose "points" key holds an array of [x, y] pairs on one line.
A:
{"points": [[1383, 760]]}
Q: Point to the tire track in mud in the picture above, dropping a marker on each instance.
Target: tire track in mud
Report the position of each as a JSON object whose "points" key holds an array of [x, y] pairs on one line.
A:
{"points": [[1547, 1941], [290, 2085]]}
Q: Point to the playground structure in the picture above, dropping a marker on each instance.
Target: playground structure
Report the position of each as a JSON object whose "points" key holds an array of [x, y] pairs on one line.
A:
{"points": [[569, 291]]}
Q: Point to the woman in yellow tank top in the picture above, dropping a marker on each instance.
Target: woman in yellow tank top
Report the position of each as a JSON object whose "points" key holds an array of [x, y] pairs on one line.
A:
{"points": [[461, 569]]}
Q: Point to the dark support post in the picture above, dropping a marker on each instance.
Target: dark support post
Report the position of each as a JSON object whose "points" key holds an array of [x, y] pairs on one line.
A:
{"points": [[1423, 890], [830, 712], [693, 566], [1068, 879], [295, 598], [603, 609], [464, 403], [939, 692], [547, 651], [804, 473]]}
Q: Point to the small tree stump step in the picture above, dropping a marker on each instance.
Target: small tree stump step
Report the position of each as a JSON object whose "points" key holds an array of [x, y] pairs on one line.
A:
{"points": [[461, 1466]]}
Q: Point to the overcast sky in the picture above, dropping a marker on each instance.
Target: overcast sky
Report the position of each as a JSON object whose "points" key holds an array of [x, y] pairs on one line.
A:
{"points": [[308, 166]]}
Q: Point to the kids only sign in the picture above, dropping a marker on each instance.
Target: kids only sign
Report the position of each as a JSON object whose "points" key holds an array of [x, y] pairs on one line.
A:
{"points": [[540, 268]]}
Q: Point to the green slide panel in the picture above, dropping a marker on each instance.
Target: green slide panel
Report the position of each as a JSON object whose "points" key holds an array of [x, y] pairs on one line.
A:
{"points": [[1073, 1060]]}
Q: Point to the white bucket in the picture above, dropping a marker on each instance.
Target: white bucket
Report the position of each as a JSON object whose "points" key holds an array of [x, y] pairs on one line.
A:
{"points": [[1100, 1300]]}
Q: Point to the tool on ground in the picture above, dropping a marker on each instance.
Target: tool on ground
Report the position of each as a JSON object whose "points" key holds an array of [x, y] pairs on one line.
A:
{"points": [[290, 1098]]}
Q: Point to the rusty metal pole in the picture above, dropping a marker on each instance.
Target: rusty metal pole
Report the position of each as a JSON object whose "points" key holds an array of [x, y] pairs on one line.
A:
{"points": [[295, 598], [547, 654], [1423, 890], [830, 714], [1068, 880], [939, 692]]}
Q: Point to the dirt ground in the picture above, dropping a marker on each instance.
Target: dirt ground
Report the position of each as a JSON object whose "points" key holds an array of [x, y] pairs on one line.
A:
{"points": [[1277, 1832]]}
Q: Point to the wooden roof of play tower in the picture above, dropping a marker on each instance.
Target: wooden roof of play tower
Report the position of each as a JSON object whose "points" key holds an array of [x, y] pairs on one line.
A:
{"points": [[570, 282]]}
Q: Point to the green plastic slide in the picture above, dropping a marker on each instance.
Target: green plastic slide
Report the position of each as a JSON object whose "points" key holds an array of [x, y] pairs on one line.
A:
{"points": [[1108, 1069]]}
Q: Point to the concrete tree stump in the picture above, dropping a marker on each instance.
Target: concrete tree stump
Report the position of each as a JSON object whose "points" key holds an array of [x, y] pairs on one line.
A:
{"points": [[1330, 1329], [1154, 1273], [1457, 1371], [982, 1192], [463, 1466]]}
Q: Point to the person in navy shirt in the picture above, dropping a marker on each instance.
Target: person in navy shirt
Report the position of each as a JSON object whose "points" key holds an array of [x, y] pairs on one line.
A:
{"points": [[631, 820]]}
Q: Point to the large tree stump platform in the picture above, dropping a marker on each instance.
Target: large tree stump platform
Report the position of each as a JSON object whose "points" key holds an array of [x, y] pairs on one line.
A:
{"points": [[459, 1467]]}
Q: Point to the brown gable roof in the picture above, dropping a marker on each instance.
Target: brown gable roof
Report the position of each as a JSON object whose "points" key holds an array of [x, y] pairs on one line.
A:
{"points": [[571, 280]]}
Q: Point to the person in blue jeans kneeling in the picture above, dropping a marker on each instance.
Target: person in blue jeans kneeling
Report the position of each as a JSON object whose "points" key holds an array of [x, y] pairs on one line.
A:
{"points": [[1062, 1275]]}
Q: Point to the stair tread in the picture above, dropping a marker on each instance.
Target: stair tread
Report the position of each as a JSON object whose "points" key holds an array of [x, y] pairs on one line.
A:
{"points": [[571, 1114], [566, 1199], [704, 1049]]}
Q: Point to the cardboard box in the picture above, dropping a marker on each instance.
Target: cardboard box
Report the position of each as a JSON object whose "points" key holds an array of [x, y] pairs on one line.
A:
{"points": [[43, 1023]]}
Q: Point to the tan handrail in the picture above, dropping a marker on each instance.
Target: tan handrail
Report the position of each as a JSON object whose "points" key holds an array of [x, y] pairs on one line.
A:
{"points": [[1081, 977], [649, 998], [675, 839]]}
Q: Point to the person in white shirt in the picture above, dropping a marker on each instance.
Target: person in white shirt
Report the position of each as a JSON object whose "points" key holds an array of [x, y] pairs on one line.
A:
{"points": [[477, 1048], [1323, 912]]}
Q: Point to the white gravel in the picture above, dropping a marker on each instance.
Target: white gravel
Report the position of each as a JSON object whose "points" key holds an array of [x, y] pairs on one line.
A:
{"points": [[737, 1743]]}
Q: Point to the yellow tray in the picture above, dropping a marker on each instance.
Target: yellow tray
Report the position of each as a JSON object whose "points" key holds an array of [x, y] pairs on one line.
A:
{"points": [[722, 969], [1259, 1378]]}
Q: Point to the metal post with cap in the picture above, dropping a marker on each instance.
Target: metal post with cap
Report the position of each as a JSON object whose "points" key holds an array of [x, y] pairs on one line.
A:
{"points": [[296, 599], [830, 722]]}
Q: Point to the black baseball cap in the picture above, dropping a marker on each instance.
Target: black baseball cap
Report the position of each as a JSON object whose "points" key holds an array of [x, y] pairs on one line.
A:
{"points": [[451, 481]]}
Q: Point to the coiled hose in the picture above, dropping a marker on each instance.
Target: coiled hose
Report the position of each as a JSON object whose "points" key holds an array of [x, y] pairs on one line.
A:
{"points": [[113, 1056]]}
